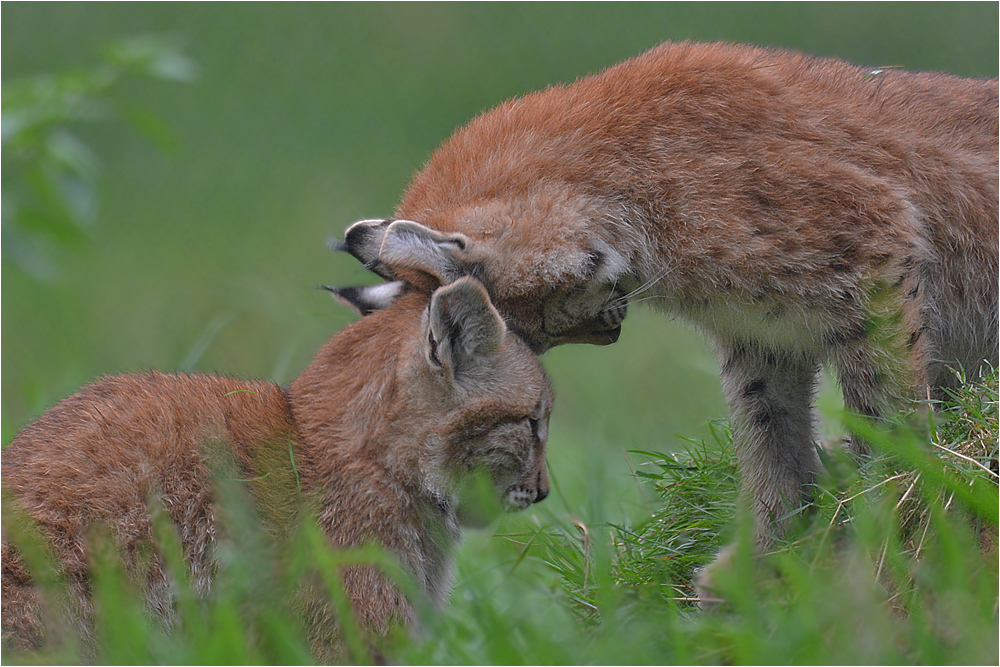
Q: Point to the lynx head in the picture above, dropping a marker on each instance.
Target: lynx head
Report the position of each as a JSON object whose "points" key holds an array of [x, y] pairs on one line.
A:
{"points": [[471, 396], [570, 289]]}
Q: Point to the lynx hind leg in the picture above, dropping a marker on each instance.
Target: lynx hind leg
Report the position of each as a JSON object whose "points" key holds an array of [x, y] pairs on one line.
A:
{"points": [[43, 615], [866, 387], [23, 627], [770, 397], [877, 357]]}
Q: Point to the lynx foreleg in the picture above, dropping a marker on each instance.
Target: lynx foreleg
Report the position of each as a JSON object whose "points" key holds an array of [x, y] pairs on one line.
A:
{"points": [[770, 395]]}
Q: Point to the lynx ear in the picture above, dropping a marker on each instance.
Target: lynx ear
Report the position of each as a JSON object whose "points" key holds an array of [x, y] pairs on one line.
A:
{"points": [[465, 330], [363, 240], [411, 245], [366, 300]]}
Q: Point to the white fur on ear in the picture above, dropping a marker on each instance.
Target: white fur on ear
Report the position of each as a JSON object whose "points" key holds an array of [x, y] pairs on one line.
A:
{"points": [[365, 300], [466, 331], [411, 245], [363, 240]]}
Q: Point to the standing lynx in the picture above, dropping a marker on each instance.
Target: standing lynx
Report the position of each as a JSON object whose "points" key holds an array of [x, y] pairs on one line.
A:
{"points": [[800, 211], [392, 415]]}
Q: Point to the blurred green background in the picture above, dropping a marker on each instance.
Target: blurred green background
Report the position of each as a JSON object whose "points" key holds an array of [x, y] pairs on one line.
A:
{"points": [[208, 242]]}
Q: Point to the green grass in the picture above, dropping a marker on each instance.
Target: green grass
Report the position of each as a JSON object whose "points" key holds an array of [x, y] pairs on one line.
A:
{"points": [[205, 244], [895, 563]]}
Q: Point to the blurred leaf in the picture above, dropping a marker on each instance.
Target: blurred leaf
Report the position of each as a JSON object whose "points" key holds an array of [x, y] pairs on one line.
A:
{"points": [[71, 155], [31, 253], [79, 198], [152, 127], [50, 175], [154, 56]]}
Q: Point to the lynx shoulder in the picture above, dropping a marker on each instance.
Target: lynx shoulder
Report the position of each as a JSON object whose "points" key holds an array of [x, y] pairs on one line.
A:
{"points": [[375, 438], [800, 211]]}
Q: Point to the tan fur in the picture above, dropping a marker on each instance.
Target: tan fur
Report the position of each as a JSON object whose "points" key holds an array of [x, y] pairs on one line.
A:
{"points": [[390, 418], [800, 211]]}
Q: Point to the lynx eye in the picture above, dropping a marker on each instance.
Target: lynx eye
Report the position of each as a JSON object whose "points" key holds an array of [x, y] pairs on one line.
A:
{"points": [[594, 261], [432, 347]]}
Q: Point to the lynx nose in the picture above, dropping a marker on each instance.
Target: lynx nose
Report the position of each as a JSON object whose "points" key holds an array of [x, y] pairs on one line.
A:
{"points": [[542, 488]]}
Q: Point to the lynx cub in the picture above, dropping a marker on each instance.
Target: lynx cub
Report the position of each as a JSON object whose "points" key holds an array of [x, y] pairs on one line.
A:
{"points": [[800, 211], [392, 415]]}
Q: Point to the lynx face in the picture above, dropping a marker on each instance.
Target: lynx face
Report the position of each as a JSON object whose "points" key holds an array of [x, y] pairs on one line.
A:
{"points": [[510, 449], [476, 397], [575, 293], [499, 398]]}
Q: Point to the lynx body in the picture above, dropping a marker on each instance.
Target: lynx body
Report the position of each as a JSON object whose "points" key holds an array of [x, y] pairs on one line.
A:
{"points": [[800, 211], [381, 429]]}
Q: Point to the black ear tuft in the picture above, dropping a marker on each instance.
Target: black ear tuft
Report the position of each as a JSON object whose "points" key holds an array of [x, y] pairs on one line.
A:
{"points": [[363, 240], [334, 244], [366, 300]]}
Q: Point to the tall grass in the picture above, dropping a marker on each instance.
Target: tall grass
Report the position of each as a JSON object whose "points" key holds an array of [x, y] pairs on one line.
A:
{"points": [[896, 562], [307, 140]]}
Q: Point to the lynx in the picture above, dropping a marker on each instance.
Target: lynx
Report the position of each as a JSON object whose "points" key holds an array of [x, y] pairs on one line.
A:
{"points": [[799, 211], [394, 413]]}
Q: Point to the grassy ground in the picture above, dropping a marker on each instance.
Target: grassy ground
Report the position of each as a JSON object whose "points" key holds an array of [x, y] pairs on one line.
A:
{"points": [[895, 563]]}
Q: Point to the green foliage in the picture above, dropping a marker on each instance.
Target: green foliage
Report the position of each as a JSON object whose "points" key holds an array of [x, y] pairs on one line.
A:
{"points": [[49, 172], [698, 493], [251, 616], [896, 563]]}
